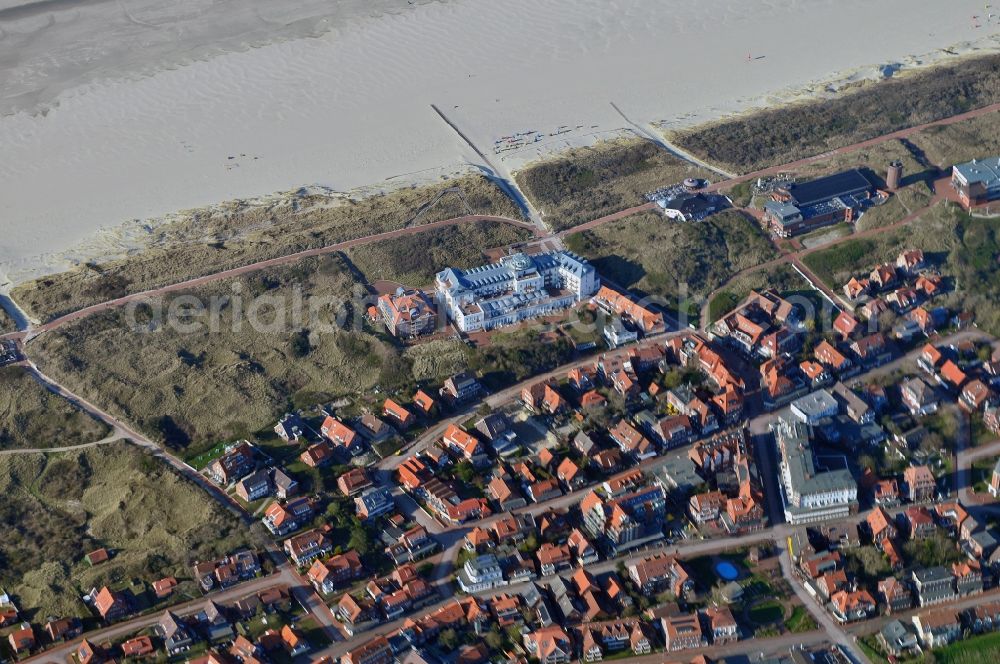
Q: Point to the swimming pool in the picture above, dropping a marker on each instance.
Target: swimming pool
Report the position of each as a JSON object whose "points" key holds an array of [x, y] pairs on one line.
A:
{"points": [[726, 570]]}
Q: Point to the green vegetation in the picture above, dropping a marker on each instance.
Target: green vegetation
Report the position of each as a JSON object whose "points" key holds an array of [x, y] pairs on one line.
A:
{"points": [[238, 233], [976, 649], [962, 141], [784, 134], [513, 356], [192, 389], [415, 259], [931, 551], [766, 612], [655, 256], [588, 183], [982, 473], [800, 621], [60, 506], [782, 278], [33, 417], [964, 248], [7, 323]]}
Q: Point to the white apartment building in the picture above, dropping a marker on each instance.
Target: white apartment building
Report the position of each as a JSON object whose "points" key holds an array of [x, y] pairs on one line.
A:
{"points": [[809, 494], [517, 288]]}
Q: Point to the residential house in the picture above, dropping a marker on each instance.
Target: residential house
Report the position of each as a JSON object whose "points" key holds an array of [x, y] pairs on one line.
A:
{"points": [[354, 481], [254, 486], [398, 415], [237, 462], [683, 632], [938, 627], [720, 625], [920, 484], [289, 428], [897, 639], [934, 585], [341, 435], [549, 645], [307, 546], [461, 388], [177, 636], [895, 595], [326, 576], [918, 397], [850, 606], [553, 558], [373, 503], [110, 604]]}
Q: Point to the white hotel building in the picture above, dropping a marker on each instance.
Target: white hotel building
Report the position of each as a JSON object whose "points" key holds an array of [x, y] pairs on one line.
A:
{"points": [[808, 494], [517, 288]]}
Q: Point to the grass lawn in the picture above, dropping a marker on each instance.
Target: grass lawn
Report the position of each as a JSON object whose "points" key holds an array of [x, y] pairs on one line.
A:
{"points": [[767, 612], [800, 621], [61, 506], [232, 234], [586, 183], [655, 256], [415, 259], [974, 650], [33, 417]]}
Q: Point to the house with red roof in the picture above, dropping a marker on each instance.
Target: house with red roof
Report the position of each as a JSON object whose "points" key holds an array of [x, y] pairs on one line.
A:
{"points": [[397, 414], [340, 434]]}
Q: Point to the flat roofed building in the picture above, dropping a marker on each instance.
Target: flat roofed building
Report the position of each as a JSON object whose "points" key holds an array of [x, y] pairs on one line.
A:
{"points": [[977, 181], [826, 200], [516, 288], [808, 493], [815, 407]]}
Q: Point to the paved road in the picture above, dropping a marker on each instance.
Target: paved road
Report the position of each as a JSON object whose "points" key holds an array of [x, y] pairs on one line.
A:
{"points": [[60, 654]]}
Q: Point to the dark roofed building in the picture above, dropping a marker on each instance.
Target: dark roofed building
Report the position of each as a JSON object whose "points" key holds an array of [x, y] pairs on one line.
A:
{"points": [[800, 207]]}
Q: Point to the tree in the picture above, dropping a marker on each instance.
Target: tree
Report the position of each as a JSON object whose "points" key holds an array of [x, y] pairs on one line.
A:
{"points": [[493, 638], [448, 639], [465, 472], [360, 540]]}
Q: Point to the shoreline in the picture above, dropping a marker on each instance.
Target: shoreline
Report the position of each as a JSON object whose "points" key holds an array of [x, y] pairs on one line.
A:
{"points": [[115, 159]]}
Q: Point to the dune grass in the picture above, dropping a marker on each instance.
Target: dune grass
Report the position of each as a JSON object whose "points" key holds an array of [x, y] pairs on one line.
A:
{"points": [[414, 260], [60, 506], [586, 183], [238, 233], [33, 417], [780, 135], [191, 389], [658, 257], [963, 141]]}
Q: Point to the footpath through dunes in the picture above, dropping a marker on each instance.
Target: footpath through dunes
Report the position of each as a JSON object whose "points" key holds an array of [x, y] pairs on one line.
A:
{"points": [[237, 233], [261, 265]]}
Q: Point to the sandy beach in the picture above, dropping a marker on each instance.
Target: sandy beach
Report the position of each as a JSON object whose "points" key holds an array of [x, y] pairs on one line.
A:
{"points": [[123, 110]]}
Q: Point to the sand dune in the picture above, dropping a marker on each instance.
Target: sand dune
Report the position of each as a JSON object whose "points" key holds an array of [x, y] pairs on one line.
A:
{"points": [[135, 109]]}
